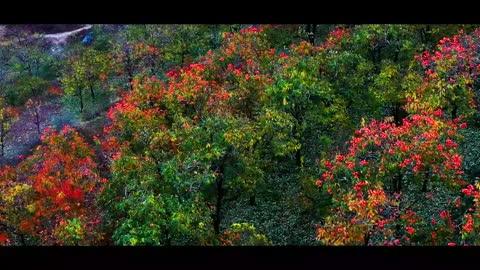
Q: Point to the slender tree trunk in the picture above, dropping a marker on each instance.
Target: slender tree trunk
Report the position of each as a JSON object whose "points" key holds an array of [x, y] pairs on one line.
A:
{"points": [[130, 80], [367, 238], [37, 120], [454, 111], [220, 168], [92, 93], [182, 55], [22, 239], [129, 67], [152, 67], [398, 230], [215, 30], [376, 58], [396, 115], [425, 182], [80, 95], [311, 33], [400, 114], [298, 157], [314, 32], [168, 239], [2, 137], [397, 183], [218, 206], [252, 200], [423, 35]]}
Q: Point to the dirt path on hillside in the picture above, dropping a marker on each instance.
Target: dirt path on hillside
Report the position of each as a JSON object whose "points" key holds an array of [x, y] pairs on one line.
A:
{"points": [[61, 38], [55, 39]]}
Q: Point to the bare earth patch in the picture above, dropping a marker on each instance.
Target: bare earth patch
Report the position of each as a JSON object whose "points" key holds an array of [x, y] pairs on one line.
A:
{"points": [[23, 135]]}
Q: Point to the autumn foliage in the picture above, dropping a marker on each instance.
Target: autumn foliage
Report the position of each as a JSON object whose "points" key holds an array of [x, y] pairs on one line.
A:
{"points": [[253, 135], [450, 75], [396, 185], [51, 194]]}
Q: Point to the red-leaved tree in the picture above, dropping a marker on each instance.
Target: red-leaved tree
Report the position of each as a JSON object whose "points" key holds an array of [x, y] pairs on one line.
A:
{"points": [[397, 185], [50, 196]]}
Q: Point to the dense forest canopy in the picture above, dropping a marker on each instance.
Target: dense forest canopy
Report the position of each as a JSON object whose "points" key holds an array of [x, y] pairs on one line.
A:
{"points": [[240, 135]]}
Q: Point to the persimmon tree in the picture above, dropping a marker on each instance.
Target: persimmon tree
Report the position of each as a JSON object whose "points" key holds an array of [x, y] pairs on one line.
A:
{"points": [[213, 121], [50, 195], [136, 58], [221, 121], [470, 226], [185, 132], [396, 185], [145, 186], [370, 66], [306, 103], [449, 77], [86, 72]]}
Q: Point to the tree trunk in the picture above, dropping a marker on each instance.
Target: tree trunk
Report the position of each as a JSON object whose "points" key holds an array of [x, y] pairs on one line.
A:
{"points": [[168, 240], [314, 32], [396, 184], [214, 40], [311, 33], [37, 120], [220, 169], [80, 94], [218, 206], [423, 35], [396, 114], [2, 137], [425, 182], [92, 93], [252, 200], [22, 239], [399, 183], [398, 230], [454, 112], [130, 81], [3, 146], [298, 158], [129, 67], [367, 238]]}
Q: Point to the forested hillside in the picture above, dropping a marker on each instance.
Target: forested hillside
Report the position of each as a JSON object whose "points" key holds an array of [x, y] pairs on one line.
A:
{"points": [[180, 135]]}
